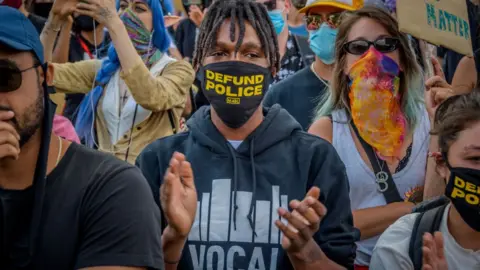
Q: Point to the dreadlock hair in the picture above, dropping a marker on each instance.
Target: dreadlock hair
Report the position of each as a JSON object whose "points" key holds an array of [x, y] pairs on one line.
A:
{"points": [[238, 11]]}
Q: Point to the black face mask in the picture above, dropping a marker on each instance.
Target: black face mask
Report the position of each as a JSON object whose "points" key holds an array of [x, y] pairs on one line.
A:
{"points": [[84, 23], [234, 89], [463, 189]]}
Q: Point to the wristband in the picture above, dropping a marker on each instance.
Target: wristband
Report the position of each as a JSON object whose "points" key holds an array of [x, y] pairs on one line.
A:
{"points": [[48, 25]]}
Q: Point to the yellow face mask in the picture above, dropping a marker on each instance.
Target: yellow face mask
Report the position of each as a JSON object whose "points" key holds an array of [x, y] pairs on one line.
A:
{"points": [[375, 103]]}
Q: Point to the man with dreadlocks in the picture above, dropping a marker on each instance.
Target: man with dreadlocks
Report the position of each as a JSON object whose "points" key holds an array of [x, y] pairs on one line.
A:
{"points": [[249, 165]]}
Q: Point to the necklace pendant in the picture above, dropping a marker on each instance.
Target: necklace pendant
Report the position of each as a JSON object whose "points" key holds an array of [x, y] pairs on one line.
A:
{"points": [[381, 178]]}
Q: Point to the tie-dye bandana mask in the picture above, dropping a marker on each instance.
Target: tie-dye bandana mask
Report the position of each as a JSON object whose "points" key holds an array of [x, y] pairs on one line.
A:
{"points": [[375, 103], [141, 38]]}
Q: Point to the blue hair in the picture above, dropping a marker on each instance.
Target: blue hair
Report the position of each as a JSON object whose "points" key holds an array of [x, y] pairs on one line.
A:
{"points": [[86, 113]]}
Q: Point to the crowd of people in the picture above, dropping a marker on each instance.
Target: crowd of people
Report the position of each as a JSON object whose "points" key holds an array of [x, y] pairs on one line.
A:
{"points": [[235, 134]]}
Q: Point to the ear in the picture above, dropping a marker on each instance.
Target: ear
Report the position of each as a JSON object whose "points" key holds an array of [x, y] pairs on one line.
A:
{"points": [[442, 170], [288, 5], [50, 72]]}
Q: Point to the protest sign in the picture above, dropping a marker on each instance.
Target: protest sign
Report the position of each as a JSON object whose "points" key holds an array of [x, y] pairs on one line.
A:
{"points": [[440, 22]]}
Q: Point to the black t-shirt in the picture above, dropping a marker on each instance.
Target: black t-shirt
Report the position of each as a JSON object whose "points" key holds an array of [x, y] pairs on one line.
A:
{"points": [[37, 21], [294, 59], [78, 53], [97, 211], [185, 38], [298, 94]]}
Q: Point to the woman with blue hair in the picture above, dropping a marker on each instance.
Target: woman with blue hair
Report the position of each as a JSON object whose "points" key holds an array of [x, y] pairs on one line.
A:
{"points": [[138, 93]]}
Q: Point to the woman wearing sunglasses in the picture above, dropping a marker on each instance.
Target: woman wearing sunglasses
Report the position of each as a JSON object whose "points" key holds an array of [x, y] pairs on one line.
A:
{"points": [[137, 94], [375, 118]]}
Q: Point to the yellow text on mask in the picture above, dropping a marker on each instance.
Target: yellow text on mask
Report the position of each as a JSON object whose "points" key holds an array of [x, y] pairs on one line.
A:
{"points": [[234, 86], [465, 190]]}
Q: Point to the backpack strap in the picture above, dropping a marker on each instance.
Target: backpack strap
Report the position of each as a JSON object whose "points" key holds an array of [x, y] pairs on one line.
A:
{"points": [[431, 204], [428, 221]]}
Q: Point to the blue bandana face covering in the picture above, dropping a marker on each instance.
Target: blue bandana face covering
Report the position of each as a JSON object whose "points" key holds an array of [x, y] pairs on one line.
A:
{"points": [[322, 43], [276, 16]]}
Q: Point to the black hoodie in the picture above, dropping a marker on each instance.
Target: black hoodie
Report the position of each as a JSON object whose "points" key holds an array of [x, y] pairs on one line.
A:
{"points": [[240, 190]]}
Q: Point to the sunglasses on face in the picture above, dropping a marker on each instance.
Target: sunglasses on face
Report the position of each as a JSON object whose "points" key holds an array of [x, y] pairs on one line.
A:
{"points": [[11, 76], [383, 45], [314, 21]]}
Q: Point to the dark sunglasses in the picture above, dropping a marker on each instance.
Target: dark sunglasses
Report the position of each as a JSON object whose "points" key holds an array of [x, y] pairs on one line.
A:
{"points": [[314, 21], [383, 45], [11, 76]]}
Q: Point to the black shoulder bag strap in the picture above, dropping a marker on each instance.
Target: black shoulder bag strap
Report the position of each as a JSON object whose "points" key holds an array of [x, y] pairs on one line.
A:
{"points": [[428, 221], [303, 47], [172, 121], [386, 186]]}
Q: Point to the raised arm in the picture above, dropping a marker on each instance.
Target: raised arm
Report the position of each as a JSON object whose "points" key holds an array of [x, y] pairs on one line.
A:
{"points": [[105, 12], [70, 77], [61, 51], [169, 90], [437, 91], [58, 16], [153, 93], [465, 77]]}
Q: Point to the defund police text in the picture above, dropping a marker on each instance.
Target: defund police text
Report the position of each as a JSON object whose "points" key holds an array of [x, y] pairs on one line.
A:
{"points": [[234, 86], [466, 190]]}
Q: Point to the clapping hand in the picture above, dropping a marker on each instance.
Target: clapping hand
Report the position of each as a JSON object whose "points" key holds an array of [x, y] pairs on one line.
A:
{"points": [[438, 90], [303, 223], [178, 196], [433, 252]]}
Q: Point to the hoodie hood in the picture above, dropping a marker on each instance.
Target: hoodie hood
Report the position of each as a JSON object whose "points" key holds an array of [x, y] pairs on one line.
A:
{"points": [[277, 126]]}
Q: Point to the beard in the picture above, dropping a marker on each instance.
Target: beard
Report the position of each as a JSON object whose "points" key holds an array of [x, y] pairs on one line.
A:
{"points": [[28, 122]]}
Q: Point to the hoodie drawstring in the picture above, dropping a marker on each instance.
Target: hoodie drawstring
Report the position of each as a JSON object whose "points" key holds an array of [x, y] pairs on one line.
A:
{"points": [[235, 187], [254, 190]]}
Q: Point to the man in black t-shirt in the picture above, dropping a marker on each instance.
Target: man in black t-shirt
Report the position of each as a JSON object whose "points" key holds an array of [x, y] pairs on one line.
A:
{"points": [[62, 206]]}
